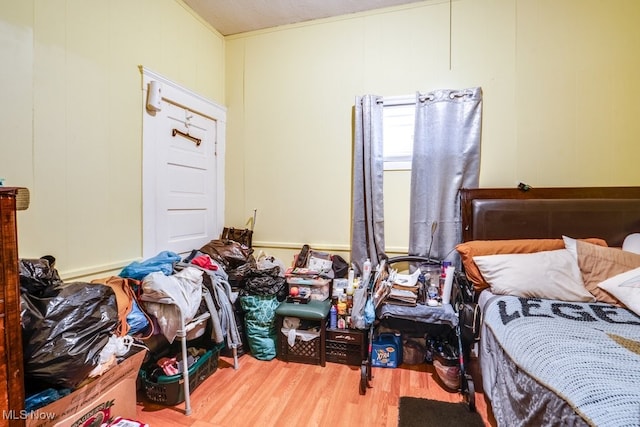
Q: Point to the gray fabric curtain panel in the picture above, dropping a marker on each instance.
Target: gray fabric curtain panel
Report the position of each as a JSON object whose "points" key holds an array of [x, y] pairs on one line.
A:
{"points": [[367, 238], [446, 157]]}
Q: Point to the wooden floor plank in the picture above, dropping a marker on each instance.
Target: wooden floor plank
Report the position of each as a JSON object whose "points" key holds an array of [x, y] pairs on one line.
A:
{"points": [[281, 394]]}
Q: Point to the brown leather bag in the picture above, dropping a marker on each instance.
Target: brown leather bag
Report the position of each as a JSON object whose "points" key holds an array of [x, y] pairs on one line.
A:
{"points": [[228, 253], [243, 236]]}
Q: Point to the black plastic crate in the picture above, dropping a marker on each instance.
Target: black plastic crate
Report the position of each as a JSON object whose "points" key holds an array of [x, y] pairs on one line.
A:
{"points": [[301, 352], [169, 389], [339, 352], [346, 346]]}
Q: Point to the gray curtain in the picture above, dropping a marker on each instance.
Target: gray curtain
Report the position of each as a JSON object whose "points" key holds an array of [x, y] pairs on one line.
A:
{"points": [[446, 157], [367, 238]]}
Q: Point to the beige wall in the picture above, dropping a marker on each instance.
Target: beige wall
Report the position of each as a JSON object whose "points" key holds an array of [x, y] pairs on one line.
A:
{"points": [[72, 117], [560, 82]]}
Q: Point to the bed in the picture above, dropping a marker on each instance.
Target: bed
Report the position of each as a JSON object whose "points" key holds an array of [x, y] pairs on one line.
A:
{"points": [[560, 300]]}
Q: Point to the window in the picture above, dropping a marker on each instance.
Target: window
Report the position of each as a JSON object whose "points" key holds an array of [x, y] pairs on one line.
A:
{"points": [[398, 119]]}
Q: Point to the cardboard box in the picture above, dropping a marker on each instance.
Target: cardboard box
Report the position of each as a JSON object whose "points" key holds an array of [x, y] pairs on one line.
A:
{"points": [[111, 395]]}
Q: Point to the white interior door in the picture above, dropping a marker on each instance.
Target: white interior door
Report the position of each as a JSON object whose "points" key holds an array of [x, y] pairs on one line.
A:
{"points": [[183, 189], [186, 179]]}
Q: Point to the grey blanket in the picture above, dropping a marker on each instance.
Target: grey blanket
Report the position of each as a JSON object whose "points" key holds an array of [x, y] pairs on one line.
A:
{"points": [[587, 354], [442, 315]]}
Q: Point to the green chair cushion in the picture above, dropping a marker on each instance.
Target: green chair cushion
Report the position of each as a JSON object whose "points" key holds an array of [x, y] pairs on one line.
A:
{"points": [[313, 310]]}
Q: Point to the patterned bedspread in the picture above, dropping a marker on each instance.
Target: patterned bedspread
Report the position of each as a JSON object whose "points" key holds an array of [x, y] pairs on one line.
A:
{"points": [[588, 354]]}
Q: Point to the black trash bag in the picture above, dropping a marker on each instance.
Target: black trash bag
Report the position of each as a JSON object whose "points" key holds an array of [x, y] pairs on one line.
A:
{"points": [[264, 282], [39, 277], [64, 334], [238, 275], [340, 267], [235, 258]]}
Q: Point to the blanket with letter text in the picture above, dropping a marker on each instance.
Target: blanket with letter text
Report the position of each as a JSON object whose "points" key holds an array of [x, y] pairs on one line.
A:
{"points": [[587, 353]]}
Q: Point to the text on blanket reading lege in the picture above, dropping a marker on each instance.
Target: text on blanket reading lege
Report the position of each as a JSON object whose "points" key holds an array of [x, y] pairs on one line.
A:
{"points": [[533, 307]]}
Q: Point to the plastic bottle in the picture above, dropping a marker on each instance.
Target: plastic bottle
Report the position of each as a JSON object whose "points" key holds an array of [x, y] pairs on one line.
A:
{"points": [[350, 292], [397, 338], [350, 277], [443, 270], [443, 276], [366, 271], [432, 295], [422, 289], [342, 308], [349, 303], [333, 317], [342, 296]]}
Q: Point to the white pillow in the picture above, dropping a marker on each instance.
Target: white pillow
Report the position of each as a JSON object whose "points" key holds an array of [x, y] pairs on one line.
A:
{"points": [[625, 287], [571, 245], [547, 274], [632, 243]]}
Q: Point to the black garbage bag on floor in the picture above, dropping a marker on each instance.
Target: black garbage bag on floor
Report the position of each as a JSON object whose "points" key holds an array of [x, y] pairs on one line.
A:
{"points": [[64, 334], [265, 282], [39, 277], [236, 258]]}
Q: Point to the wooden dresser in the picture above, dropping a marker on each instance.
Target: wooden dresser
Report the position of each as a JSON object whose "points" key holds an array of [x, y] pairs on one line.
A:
{"points": [[11, 363]]}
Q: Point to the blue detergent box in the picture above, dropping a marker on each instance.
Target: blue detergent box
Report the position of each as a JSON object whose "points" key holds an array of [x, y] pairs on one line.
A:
{"points": [[386, 351]]}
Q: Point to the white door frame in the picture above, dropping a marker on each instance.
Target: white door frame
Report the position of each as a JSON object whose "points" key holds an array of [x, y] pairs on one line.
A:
{"points": [[192, 101]]}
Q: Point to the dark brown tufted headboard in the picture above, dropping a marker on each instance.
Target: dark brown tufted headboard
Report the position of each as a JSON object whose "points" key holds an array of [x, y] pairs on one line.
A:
{"points": [[610, 213]]}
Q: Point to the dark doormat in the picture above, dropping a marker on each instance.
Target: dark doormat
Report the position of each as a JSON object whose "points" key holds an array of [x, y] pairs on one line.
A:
{"points": [[417, 412]]}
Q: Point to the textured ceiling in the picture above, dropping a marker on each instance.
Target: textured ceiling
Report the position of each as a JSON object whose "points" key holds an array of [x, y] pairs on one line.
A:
{"points": [[239, 16]]}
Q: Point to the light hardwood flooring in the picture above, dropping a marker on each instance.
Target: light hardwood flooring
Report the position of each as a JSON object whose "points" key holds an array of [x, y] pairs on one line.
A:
{"points": [[282, 394]]}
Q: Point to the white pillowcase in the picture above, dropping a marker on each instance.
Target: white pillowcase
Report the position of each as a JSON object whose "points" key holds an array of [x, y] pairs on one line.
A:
{"points": [[631, 243], [571, 245], [625, 287], [547, 274]]}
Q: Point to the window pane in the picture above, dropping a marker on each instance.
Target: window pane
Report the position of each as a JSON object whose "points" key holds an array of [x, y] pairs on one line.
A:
{"points": [[398, 124]]}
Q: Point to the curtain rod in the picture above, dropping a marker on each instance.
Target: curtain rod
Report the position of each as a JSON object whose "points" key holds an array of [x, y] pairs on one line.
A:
{"points": [[398, 101], [407, 100]]}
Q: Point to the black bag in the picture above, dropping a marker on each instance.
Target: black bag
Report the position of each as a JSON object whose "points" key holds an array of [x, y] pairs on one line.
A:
{"points": [[228, 253], [340, 266], [39, 277], [265, 282], [470, 319], [64, 334], [469, 315]]}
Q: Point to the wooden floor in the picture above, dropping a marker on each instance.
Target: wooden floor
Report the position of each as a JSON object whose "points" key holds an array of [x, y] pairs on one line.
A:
{"points": [[276, 393]]}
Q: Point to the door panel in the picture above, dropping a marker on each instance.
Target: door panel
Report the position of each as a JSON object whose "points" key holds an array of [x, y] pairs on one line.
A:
{"points": [[182, 180], [186, 225], [186, 180]]}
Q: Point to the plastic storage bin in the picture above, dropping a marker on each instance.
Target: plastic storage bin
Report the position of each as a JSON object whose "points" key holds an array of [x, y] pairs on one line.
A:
{"points": [[168, 389], [317, 288]]}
